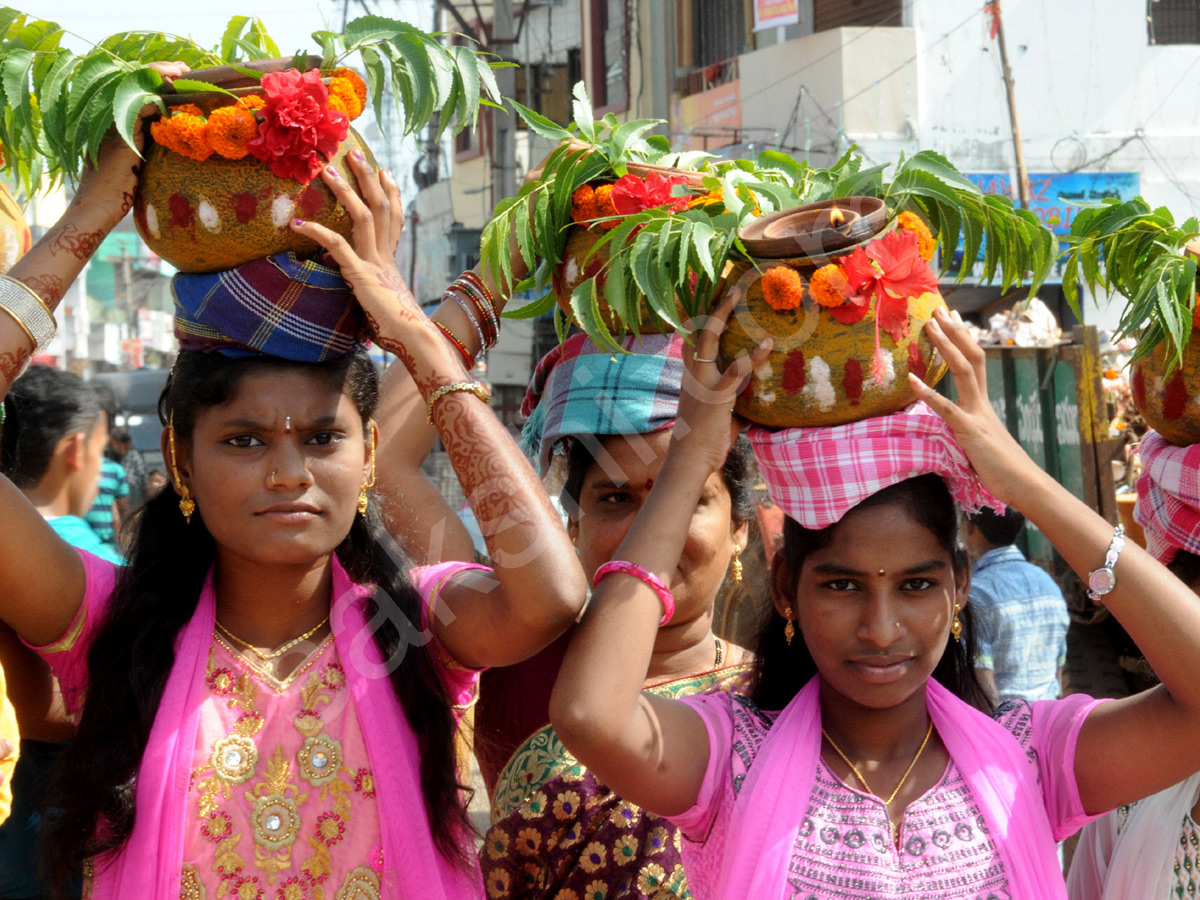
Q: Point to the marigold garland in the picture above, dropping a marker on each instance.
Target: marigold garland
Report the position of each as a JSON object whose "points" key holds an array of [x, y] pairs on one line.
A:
{"points": [[230, 129], [926, 242], [583, 205], [783, 288], [183, 133], [605, 207], [828, 286]]}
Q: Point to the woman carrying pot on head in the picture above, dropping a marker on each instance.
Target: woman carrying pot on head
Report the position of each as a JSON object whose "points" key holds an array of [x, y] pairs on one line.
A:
{"points": [[866, 764], [607, 417], [1151, 849], [264, 693]]}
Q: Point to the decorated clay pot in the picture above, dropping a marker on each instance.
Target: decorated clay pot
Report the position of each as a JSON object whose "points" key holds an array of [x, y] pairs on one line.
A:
{"points": [[219, 213], [822, 371], [1170, 403], [15, 239], [580, 263]]}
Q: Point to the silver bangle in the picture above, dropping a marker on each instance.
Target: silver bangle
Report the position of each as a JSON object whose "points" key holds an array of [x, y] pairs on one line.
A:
{"points": [[28, 310], [1102, 580]]}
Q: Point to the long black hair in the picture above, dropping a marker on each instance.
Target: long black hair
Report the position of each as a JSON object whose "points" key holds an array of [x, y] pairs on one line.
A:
{"points": [[155, 596], [782, 670]]}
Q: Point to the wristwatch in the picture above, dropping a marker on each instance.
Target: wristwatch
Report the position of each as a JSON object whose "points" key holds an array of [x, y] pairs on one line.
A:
{"points": [[1103, 580]]}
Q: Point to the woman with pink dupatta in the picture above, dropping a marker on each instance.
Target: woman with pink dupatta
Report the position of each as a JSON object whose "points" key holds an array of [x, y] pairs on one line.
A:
{"points": [[266, 691], [866, 763]]}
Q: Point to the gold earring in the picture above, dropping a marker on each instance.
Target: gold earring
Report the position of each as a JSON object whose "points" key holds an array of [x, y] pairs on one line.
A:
{"points": [[789, 630], [187, 505], [737, 565], [363, 501], [956, 626]]}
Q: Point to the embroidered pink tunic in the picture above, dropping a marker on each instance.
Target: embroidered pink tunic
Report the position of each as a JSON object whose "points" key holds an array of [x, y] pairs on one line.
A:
{"points": [[282, 794], [844, 849]]}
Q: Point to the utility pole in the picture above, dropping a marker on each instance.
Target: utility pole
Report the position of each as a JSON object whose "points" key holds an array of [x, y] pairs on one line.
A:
{"points": [[1019, 152], [504, 161]]}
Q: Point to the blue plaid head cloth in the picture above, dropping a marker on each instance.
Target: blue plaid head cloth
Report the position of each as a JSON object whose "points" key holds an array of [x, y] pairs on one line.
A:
{"points": [[281, 306], [581, 389]]}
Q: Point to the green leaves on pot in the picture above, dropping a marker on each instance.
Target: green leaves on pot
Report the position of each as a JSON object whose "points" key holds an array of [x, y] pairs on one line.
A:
{"points": [[1140, 253], [59, 106]]}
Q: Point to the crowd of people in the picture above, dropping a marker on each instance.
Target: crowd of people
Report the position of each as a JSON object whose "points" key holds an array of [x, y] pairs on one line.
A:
{"points": [[264, 677]]}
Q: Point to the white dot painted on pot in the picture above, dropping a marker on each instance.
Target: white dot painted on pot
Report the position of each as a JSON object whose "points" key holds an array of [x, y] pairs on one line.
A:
{"points": [[818, 386], [887, 370], [572, 269], [209, 217], [152, 221], [768, 399], [282, 208], [765, 371]]}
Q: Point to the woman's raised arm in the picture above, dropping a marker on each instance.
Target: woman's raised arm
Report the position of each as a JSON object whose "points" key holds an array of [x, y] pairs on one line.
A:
{"points": [[1160, 613], [536, 587]]}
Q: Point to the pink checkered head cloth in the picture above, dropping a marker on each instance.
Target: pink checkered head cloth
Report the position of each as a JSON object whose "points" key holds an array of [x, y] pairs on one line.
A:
{"points": [[1168, 504], [817, 475]]}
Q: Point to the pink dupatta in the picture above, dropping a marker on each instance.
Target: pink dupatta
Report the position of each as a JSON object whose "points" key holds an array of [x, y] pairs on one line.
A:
{"points": [[151, 861], [772, 803]]}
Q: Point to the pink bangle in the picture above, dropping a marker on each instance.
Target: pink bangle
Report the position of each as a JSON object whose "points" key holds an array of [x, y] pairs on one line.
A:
{"points": [[645, 576]]}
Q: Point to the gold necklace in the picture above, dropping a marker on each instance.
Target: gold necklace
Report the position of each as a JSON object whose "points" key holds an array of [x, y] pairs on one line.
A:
{"points": [[887, 804], [278, 651]]}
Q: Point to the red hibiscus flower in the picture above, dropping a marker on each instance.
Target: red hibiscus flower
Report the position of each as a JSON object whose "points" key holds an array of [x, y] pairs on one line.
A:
{"points": [[298, 127], [632, 194], [891, 270]]}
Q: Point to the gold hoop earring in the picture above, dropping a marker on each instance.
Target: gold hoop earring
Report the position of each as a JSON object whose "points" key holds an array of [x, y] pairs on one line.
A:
{"points": [[736, 569], [363, 500], [789, 630], [956, 626], [187, 505]]}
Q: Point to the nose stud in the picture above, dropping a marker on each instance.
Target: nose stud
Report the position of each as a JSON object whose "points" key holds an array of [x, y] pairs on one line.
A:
{"points": [[881, 573], [273, 471], [287, 424]]}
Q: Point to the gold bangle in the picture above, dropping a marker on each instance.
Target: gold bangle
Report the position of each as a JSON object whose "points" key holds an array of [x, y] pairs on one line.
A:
{"points": [[480, 390]]}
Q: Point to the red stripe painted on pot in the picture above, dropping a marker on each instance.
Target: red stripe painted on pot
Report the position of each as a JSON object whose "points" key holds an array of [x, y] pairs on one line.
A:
{"points": [[916, 362], [793, 372], [852, 381], [1175, 397]]}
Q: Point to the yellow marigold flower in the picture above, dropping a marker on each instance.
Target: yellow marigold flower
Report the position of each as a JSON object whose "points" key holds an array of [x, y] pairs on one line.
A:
{"points": [[926, 242], [829, 286], [356, 83], [252, 101], [528, 841], [189, 109], [583, 204], [625, 849], [230, 129], [650, 879], [338, 106], [593, 856], [783, 288], [709, 198], [341, 90], [566, 805], [605, 207]]}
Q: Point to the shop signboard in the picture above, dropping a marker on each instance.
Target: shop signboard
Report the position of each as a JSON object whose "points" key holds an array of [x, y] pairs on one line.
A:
{"points": [[773, 13]]}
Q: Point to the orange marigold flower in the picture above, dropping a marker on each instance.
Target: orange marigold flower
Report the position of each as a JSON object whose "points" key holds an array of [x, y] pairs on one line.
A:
{"points": [[1111, 374], [341, 90], [783, 288], [338, 106], [187, 109], [926, 242], [230, 129], [605, 206], [356, 82], [829, 286], [184, 134], [583, 204], [252, 101], [1, 160]]}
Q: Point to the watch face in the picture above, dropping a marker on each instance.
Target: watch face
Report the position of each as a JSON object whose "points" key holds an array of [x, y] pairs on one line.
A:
{"points": [[1102, 581]]}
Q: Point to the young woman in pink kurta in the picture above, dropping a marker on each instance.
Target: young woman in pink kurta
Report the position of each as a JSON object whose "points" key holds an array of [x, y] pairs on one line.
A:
{"points": [[865, 764]]}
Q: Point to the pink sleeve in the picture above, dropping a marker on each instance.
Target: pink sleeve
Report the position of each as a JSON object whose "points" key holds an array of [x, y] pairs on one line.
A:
{"points": [[68, 655], [461, 681], [1056, 725], [717, 788]]}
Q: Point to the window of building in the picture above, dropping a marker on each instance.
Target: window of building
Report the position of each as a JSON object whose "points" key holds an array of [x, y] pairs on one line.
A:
{"points": [[1173, 21], [710, 35], [608, 55], [842, 13]]}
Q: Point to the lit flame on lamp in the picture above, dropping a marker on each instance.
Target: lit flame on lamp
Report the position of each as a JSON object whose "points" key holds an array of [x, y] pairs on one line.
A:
{"points": [[836, 218]]}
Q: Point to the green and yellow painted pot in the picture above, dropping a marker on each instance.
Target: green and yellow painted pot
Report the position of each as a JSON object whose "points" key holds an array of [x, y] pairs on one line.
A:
{"points": [[821, 371], [1170, 403], [220, 213], [15, 239]]}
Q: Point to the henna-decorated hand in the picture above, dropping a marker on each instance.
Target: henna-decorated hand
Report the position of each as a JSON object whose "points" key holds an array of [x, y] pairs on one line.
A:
{"points": [[111, 184]]}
